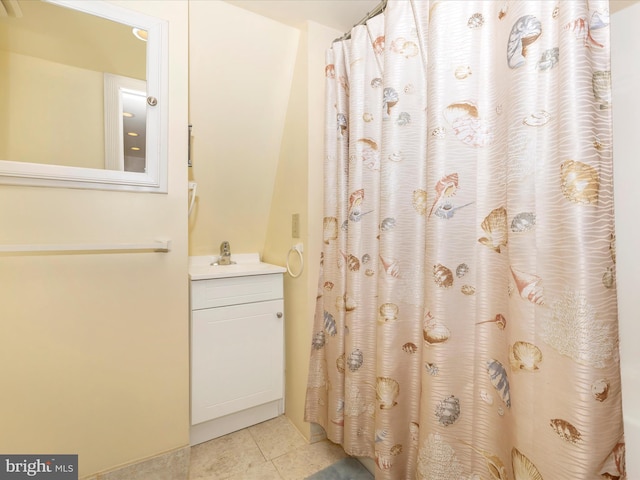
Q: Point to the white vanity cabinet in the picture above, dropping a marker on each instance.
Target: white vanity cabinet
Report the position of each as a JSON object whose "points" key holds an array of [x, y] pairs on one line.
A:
{"points": [[237, 352]]}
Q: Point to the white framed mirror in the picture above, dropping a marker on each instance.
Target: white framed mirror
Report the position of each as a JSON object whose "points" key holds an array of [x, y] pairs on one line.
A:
{"points": [[57, 62]]}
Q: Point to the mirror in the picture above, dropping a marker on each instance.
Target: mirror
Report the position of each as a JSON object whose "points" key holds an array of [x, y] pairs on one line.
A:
{"points": [[125, 122], [83, 96]]}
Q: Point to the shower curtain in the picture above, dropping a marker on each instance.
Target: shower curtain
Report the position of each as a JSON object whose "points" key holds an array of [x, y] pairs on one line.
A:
{"points": [[466, 323]]}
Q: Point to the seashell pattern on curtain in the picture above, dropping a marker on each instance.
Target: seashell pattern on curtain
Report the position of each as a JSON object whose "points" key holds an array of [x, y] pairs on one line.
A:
{"points": [[466, 320]]}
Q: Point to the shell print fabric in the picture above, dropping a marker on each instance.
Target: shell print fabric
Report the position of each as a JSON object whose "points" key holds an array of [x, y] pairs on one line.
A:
{"points": [[448, 410], [523, 222], [437, 459], [565, 430], [446, 187], [529, 286], [466, 320], [601, 81], [495, 466], [442, 276], [495, 227], [387, 391], [434, 332], [614, 466], [524, 356], [523, 468], [525, 31], [499, 379], [549, 59], [600, 390], [462, 72], [580, 182], [467, 125], [499, 321], [574, 329], [537, 118]]}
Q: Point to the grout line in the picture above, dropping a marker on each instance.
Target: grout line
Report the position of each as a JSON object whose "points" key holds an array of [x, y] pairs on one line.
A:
{"points": [[255, 440], [277, 471]]}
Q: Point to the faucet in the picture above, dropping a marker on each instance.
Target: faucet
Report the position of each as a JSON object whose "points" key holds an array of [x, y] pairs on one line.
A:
{"points": [[225, 254]]}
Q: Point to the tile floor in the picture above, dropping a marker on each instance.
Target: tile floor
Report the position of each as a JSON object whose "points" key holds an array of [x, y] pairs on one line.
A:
{"points": [[273, 450]]}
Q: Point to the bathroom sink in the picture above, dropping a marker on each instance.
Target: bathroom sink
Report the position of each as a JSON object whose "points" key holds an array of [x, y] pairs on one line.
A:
{"points": [[206, 267]]}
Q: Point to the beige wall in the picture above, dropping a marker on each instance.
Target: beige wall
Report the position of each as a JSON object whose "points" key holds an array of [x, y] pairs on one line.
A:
{"points": [[289, 197], [4, 105], [298, 189], [256, 105], [94, 348], [54, 112], [625, 69], [71, 37], [241, 65]]}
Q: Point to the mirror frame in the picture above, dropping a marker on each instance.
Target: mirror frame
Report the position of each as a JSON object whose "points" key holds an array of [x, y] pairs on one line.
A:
{"points": [[155, 177]]}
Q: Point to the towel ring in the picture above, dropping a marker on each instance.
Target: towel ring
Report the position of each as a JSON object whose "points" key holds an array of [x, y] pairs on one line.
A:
{"points": [[298, 249]]}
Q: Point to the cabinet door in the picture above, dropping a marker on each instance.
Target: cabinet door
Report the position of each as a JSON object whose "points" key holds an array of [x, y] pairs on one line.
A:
{"points": [[237, 358]]}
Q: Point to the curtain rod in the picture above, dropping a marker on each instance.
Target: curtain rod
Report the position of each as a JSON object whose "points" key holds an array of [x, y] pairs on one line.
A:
{"points": [[379, 9]]}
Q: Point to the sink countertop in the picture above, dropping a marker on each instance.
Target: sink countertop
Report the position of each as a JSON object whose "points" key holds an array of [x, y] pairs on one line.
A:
{"points": [[200, 267]]}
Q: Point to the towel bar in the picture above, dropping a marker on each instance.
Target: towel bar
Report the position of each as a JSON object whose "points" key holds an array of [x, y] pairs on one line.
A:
{"points": [[157, 246]]}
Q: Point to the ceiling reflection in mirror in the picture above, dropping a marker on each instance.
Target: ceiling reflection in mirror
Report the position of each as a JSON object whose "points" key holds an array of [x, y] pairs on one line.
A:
{"points": [[52, 88]]}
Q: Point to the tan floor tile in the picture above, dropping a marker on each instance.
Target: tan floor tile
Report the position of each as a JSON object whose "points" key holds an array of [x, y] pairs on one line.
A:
{"points": [[308, 459], [224, 457], [276, 437], [264, 471]]}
